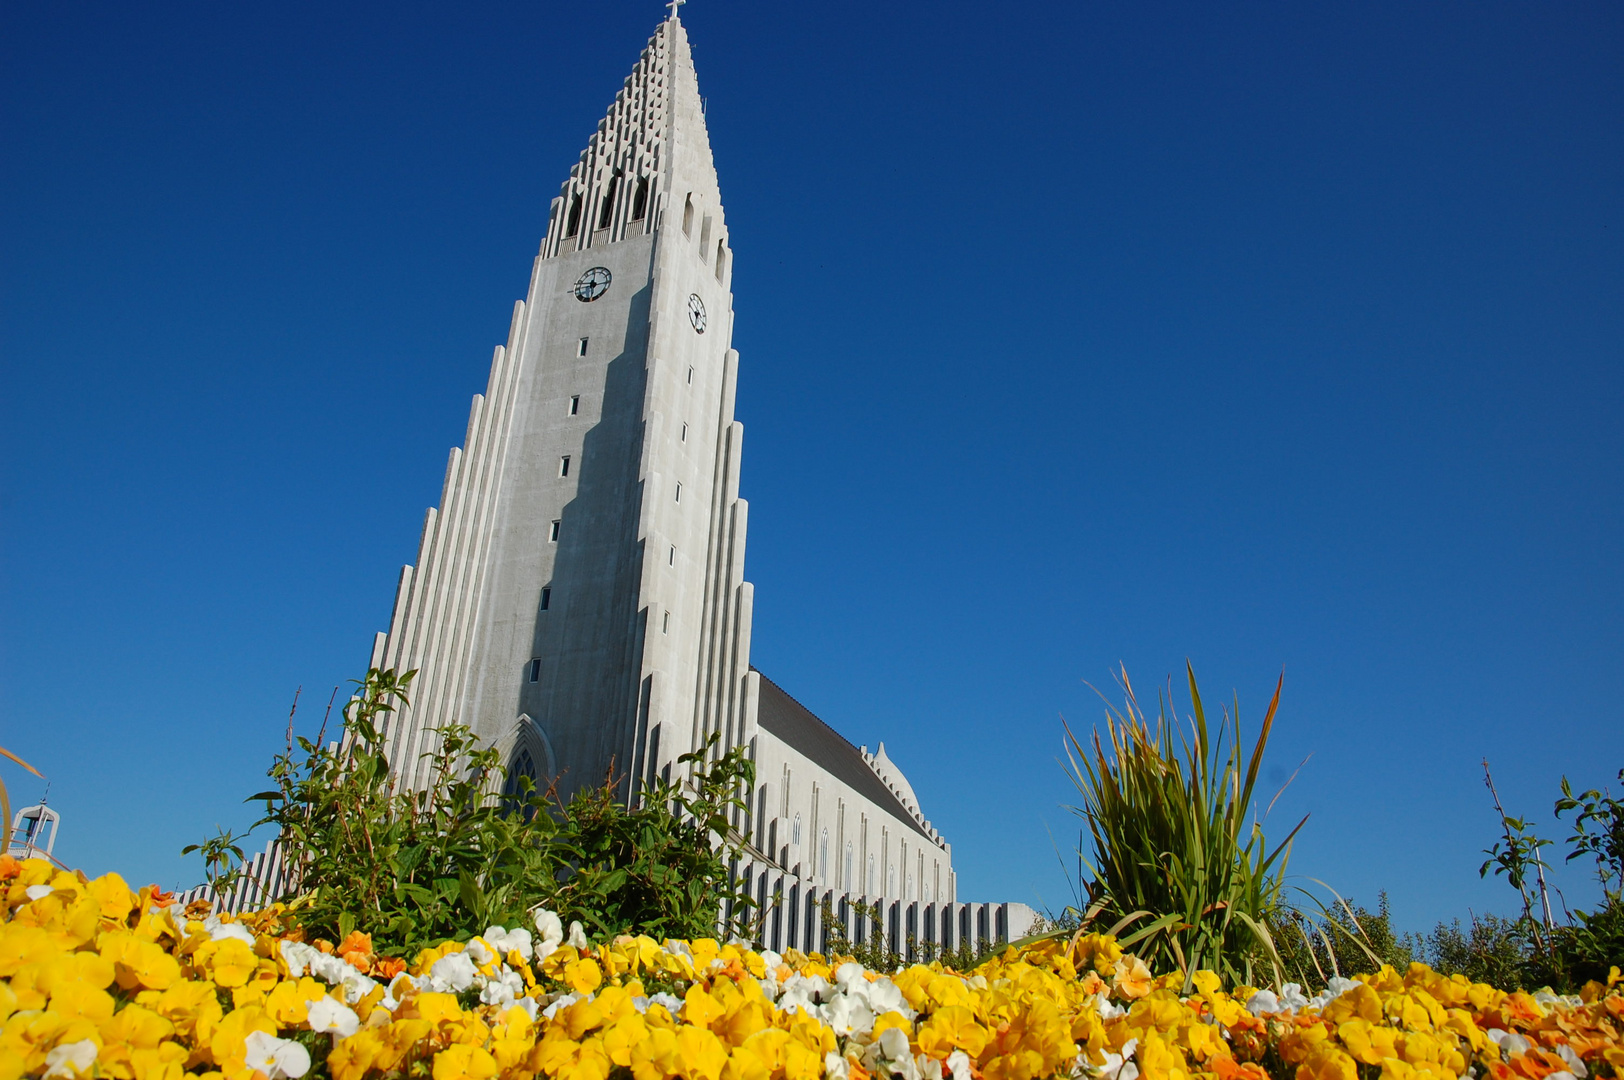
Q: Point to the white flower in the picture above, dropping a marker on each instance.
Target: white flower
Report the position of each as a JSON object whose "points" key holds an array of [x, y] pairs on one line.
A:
{"points": [[479, 952], [454, 972], [70, 1059], [577, 936], [506, 941], [277, 1058], [220, 931], [958, 1063], [333, 1017], [1510, 1043], [551, 929], [356, 986], [671, 1002], [296, 955], [772, 960], [932, 1069], [835, 1067], [502, 989], [884, 997], [563, 1001], [1118, 1066], [848, 1013], [1264, 1001], [40, 892], [1575, 1066]]}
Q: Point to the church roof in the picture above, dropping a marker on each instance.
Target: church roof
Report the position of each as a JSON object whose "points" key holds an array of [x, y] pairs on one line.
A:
{"points": [[800, 728]]}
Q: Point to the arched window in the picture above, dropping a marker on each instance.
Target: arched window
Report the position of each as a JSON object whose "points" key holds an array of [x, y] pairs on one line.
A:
{"points": [[514, 789], [891, 880], [846, 879], [688, 217], [606, 216], [572, 224], [640, 199], [823, 854], [721, 259], [868, 888], [795, 831]]}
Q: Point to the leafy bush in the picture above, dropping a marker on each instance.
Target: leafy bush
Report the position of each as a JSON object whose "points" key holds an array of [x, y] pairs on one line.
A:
{"points": [[1342, 938], [413, 867], [1175, 859]]}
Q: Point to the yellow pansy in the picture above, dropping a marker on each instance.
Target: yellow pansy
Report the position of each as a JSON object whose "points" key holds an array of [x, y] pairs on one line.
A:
{"points": [[463, 1062]]}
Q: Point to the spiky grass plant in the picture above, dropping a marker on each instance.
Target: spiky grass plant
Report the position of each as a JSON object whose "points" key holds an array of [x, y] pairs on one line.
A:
{"points": [[1180, 864]]}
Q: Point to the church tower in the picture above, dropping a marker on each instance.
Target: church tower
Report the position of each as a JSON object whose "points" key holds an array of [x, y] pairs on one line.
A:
{"points": [[578, 597]]}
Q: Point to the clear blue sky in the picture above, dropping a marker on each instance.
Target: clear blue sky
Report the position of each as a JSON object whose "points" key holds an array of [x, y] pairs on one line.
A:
{"points": [[1278, 336]]}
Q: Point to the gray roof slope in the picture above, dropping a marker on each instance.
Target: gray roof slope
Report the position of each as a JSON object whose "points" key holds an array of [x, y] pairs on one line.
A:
{"points": [[796, 725]]}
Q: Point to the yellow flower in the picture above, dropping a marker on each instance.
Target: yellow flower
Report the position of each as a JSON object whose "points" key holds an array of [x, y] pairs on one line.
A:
{"points": [[1361, 1002], [699, 1007], [115, 898], [1130, 978], [583, 976], [229, 1042], [1097, 951], [1366, 1042], [952, 1028], [462, 1062], [228, 962], [138, 963], [289, 1002], [1326, 1062], [700, 1054]]}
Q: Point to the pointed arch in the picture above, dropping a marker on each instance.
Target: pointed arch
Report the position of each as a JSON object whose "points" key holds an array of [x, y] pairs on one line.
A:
{"points": [[606, 216], [640, 200], [688, 216], [572, 224]]}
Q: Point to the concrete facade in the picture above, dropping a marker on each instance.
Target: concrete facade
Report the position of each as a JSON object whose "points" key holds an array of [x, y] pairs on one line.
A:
{"points": [[579, 597]]}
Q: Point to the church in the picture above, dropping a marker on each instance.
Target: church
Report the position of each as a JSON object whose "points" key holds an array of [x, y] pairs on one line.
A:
{"points": [[578, 597]]}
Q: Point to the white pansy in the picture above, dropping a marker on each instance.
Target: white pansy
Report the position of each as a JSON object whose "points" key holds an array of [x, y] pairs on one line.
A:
{"points": [[296, 955], [1108, 1011], [70, 1059], [958, 1064], [884, 996], [772, 960], [220, 931], [1121, 1066], [551, 929], [506, 941], [454, 972], [479, 952], [835, 1067], [277, 1058], [577, 936], [40, 892], [849, 976], [931, 1069], [333, 1018], [1292, 998], [503, 989], [356, 986], [848, 1013], [1262, 1002], [671, 1002], [1509, 1042], [531, 1008], [1571, 1060], [562, 1001]]}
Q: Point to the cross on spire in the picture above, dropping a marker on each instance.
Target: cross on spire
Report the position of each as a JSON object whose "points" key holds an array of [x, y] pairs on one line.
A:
{"points": [[673, 5]]}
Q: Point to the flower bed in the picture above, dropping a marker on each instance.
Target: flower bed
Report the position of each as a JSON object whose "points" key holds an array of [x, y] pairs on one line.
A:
{"points": [[99, 980]]}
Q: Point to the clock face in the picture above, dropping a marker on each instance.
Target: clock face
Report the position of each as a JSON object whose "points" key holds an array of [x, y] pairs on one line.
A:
{"points": [[592, 284], [696, 312]]}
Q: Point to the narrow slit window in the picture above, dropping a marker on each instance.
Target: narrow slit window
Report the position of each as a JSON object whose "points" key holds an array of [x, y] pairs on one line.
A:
{"points": [[608, 215], [572, 225], [535, 669], [679, 491], [640, 199], [575, 404], [687, 217], [690, 376], [671, 557], [665, 624], [580, 347], [546, 598], [685, 433], [564, 465], [552, 533], [721, 259]]}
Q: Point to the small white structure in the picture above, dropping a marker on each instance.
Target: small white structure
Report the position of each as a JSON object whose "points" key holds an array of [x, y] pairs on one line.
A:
{"points": [[33, 832]]}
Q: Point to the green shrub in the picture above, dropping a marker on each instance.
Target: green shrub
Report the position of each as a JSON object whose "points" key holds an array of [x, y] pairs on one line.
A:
{"points": [[1174, 858], [1342, 938], [414, 867]]}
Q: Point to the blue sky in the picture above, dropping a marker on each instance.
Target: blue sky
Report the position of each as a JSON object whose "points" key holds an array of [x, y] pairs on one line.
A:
{"points": [[1281, 337]]}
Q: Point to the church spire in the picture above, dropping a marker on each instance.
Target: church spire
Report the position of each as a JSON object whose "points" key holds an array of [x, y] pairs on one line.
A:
{"points": [[652, 142]]}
